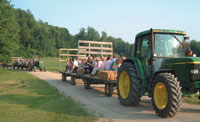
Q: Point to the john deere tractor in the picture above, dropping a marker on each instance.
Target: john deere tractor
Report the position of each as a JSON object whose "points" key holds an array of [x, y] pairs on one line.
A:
{"points": [[164, 67], [38, 64]]}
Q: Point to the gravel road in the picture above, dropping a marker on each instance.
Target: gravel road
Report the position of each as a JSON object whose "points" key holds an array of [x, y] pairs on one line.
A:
{"points": [[108, 109]]}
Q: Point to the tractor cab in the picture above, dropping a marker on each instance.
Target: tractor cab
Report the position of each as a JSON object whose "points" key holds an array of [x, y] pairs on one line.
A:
{"points": [[153, 47], [167, 50]]}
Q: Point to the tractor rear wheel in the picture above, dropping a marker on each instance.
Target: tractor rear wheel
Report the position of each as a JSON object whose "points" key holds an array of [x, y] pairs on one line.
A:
{"points": [[128, 85], [166, 95]]}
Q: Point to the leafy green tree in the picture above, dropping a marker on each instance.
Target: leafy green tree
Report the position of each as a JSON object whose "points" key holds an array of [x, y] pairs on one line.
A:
{"points": [[104, 36], [92, 34], [9, 29], [22, 35], [195, 47]]}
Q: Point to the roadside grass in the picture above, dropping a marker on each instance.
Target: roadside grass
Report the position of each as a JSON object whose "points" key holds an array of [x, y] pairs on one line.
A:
{"points": [[193, 99], [52, 63], [25, 98]]}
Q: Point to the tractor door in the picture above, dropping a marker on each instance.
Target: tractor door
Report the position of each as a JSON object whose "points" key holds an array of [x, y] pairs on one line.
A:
{"points": [[143, 52]]}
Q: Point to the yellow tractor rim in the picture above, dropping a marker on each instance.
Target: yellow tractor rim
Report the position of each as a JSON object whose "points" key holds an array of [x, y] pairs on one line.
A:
{"points": [[107, 88], [124, 84], [160, 95]]}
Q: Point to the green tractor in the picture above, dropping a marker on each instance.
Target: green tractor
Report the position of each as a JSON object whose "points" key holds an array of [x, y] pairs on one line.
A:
{"points": [[37, 64], [163, 67]]}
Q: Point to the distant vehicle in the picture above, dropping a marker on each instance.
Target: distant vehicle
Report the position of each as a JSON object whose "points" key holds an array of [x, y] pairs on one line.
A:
{"points": [[28, 64]]}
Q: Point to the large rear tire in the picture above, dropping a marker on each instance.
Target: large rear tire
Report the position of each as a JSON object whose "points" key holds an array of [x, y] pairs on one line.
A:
{"points": [[128, 85], [166, 95]]}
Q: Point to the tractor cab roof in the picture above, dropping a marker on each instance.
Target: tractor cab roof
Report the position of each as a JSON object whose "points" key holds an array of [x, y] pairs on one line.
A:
{"points": [[161, 31]]}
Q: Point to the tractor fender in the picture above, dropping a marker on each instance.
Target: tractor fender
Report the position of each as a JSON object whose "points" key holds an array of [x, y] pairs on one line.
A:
{"points": [[140, 72], [138, 65], [154, 75]]}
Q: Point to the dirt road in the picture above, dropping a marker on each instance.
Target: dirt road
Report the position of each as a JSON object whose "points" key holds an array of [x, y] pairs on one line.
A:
{"points": [[109, 109]]}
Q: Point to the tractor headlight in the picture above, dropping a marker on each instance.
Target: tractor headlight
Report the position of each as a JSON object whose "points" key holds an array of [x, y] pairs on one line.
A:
{"points": [[194, 71]]}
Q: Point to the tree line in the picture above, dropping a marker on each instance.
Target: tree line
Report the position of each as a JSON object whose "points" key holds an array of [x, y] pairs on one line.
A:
{"points": [[22, 35]]}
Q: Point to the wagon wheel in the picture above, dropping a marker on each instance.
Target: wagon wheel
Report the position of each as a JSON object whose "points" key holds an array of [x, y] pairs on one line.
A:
{"points": [[63, 77], [73, 80], [86, 84], [27, 68], [109, 88], [45, 69], [34, 69]]}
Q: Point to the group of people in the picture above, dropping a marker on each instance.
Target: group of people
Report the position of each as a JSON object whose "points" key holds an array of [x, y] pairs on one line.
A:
{"points": [[22, 62], [92, 65]]}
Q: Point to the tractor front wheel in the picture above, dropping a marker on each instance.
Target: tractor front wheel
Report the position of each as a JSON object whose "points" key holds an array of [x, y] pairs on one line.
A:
{"points": [[128, 85], [166, 95]]}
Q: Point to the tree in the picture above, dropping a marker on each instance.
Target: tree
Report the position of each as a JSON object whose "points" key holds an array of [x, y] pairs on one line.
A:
{"points": [[21, 35], [103, 36], [92, 34], [9, 29], [195, 47]]}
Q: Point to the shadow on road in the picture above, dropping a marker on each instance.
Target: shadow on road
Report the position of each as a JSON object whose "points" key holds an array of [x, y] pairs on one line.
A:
{"points": [[190, 110]]}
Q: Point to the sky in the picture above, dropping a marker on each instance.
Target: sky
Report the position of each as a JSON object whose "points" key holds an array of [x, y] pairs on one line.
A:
{"points": [[118, 18]]}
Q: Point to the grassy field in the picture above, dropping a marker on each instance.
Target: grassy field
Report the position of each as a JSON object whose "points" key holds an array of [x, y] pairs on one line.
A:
{"points": [[52, 63], [25, 98]]}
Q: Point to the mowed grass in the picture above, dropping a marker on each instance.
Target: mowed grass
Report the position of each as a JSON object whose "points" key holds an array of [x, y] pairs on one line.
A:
{"points": [[193, 99], [25, 98], [52, 63]]}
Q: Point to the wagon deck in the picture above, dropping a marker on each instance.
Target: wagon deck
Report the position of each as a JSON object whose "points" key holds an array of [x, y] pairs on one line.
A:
{"points": [[109, 84], [73, 76]]}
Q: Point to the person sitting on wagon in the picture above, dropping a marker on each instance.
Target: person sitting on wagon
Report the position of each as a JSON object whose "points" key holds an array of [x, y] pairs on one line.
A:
{"points": [[115, 66], [100, 66], [74, 65], [88, 66], [68, 65], [108, 63], [81, 64]]}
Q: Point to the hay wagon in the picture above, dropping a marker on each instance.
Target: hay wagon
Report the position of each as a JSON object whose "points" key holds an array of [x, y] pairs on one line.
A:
{"points": [[87, 49]]}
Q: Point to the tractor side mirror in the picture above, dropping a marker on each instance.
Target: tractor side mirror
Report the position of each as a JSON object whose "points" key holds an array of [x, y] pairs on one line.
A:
{"points": [[186, 38]]}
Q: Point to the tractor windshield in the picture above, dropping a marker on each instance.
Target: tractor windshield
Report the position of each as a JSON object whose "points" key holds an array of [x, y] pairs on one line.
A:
{"points": [[169, 45]]}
